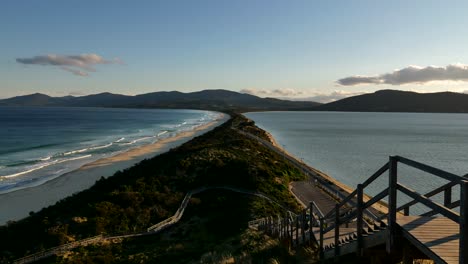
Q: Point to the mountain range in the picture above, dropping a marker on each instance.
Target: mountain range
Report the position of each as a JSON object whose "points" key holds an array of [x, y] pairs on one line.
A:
{"points": [[224, 100], [401, 101]]}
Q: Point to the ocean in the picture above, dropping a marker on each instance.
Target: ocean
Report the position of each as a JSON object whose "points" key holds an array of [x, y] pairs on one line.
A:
{"points": [[351, 146], [38, 144]]}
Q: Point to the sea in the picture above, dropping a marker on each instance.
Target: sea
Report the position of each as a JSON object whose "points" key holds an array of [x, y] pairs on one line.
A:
{"points": [[351, 146], [38, 144]]}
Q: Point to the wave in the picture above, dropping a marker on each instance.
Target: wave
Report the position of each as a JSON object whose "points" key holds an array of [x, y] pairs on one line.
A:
{"points": [[43, 166], [75, 151], [162, 133], [120, 139], [136, 140], [25, 162], [181, 124], [101, 147]]}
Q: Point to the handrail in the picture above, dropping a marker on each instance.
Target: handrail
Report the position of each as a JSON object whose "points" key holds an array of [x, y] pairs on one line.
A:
{"points": [[450, 206], [452, 215], [317, 209], [376, 175], [447, 197], [343, 202], [434, 171], [376, 198], [391, 191]]}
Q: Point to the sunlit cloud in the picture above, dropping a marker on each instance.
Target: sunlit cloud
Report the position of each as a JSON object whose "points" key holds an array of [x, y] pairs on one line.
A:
{"points": [[295, 95], [285, 92], [80, 65], [331, 97], [412, 75]]}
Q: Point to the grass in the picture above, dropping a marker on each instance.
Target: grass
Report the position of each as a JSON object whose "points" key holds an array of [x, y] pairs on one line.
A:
{"points": [[151, 191]]}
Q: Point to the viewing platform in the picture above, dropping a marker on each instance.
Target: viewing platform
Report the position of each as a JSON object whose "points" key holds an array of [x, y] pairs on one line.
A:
{"points": [[352, 227]]}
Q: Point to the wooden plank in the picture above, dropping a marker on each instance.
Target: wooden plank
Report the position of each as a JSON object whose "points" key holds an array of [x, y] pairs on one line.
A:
{"points": [[463, 222], [392, 204], [429, 203], [439, 235]]}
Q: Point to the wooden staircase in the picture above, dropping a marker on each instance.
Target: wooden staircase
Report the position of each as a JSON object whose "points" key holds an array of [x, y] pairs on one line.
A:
{"points": [[354, 226]]}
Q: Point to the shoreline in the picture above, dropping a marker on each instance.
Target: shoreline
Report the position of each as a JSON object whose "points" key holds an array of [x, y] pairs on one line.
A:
{"points": [[342, 187], [17, 204]]}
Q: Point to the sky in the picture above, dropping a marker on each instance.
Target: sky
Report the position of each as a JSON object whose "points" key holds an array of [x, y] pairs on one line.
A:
{"points": [[320, 50]]}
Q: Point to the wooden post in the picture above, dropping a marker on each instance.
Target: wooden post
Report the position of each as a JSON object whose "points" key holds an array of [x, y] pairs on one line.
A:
{"points": [[269, 226], [321, 238], [291, 234], [311, 231], [463, 250], [303, 226], [283, 234], [448, 196], [281, 228], [337, 232], [360, 209], [392, 204], [297, 230], [276, 226]]}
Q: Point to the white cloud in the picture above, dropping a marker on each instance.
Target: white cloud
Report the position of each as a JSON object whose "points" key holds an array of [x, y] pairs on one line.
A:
{"points": [[412, 74], [79, 65], [285, 92], [292, 94], [74, 71], [331, 97]]}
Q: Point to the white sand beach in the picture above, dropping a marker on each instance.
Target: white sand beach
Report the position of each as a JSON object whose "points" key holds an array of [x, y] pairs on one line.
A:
{"points": [[17, 204]]}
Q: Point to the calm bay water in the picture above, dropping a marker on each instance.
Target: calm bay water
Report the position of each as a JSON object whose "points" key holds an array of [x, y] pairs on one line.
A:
{"points": [[39, 144], [351, 146]]}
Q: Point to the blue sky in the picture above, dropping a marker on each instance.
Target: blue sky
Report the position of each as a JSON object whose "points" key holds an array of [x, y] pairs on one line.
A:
{"points": [[268, 48]]}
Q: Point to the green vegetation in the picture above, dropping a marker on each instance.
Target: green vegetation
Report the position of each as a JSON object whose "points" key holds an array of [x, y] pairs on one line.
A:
{"points": [[215, 223]]}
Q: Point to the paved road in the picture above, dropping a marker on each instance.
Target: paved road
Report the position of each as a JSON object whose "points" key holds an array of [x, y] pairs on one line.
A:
{"points": [[327, 187], [307, 192]]}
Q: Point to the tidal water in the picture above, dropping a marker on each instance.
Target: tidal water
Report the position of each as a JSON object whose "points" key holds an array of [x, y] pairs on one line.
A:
{"points": [[39, 144], [351, 146]]}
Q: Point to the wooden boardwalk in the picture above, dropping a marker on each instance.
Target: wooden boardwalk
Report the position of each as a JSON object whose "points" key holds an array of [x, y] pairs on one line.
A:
{"points": [[443, 239], [348, 227], [438, 236]]}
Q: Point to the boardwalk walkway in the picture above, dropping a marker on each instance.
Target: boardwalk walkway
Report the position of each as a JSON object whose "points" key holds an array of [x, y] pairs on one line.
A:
{"points": [[438, 236], [154, 229]]}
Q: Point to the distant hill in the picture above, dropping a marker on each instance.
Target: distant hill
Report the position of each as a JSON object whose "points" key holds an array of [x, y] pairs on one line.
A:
{"points": [[221, 100], [401, 101]]}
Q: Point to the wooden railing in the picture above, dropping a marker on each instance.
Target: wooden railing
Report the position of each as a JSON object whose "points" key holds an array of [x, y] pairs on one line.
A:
{"points": [[154, 229], [295, 229], [336, 218]]}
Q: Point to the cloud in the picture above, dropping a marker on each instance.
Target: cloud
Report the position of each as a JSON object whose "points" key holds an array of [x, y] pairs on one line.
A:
{"points": [[331, 97], [80, 65], [294, 95], [75, 71], [286, 92], [412, 74]]}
